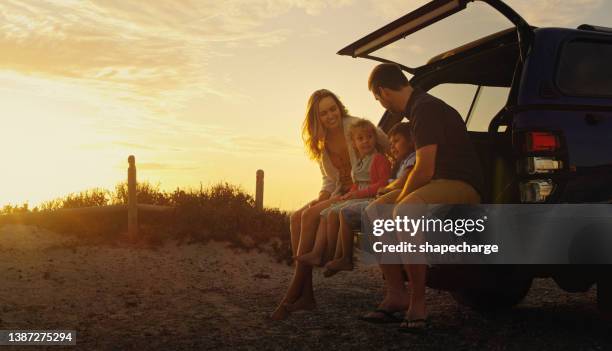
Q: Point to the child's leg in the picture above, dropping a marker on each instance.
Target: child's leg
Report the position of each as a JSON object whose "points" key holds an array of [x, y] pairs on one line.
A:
{"points": [[313, 258], [333, 225], [345, 261]]}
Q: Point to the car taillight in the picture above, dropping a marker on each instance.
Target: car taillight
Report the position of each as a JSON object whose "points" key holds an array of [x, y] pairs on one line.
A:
{"points": [[536, 190], [541, 141]]}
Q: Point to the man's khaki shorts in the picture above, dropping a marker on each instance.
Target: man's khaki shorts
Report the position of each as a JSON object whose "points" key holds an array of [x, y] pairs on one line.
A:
{"points": [[444, 191]]}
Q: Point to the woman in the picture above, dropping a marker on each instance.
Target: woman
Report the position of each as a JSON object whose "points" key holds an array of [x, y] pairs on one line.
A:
{"points": [[325, 136]]}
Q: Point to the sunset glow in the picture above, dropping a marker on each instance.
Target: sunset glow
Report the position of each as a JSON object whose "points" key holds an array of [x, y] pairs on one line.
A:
{"points": [[198, 91]]}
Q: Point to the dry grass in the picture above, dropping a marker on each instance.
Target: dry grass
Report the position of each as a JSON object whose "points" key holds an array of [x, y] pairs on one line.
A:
{"points": [[222, 212]]}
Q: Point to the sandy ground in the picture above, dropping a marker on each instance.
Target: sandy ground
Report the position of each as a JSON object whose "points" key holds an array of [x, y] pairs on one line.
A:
{"points": [[210, 297]]}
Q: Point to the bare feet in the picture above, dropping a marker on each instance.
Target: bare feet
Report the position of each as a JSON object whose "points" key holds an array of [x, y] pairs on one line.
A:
{"points": [[310, 258], [302, 304], [339, 265], [281, 312], [328, 273]]}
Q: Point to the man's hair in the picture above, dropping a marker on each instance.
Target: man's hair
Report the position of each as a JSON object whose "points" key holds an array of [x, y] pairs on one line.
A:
{"points": [[387, 75]]}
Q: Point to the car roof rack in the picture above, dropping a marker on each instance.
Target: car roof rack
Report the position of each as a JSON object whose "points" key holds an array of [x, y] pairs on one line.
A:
{"points": [[595, 28]]}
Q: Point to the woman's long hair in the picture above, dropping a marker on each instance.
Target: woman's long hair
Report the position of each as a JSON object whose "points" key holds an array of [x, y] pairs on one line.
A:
{"points": [[313, 132]]}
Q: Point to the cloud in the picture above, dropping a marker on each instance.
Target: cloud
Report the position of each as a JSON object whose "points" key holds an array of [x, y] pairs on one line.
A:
{"points": [[394, 9], [158, 53], [539, 13]]}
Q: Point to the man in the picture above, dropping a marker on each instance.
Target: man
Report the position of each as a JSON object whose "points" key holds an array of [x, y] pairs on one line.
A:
{"points": [[447, 171]]}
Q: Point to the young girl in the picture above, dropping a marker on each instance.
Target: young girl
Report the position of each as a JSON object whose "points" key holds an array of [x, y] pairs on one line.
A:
{"points": [[404, 158], [370, 173]]}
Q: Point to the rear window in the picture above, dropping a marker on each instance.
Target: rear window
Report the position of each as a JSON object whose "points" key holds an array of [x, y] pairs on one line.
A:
{"points": [[585, 68]]}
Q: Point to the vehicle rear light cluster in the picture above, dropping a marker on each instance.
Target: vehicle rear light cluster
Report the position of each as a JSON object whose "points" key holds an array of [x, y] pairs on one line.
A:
{"points": [[536, 190], [542, 158], [540, 165], [541, 141]]}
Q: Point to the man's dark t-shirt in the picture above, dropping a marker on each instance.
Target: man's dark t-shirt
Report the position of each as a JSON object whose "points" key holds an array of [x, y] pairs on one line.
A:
{"points": [[434, 122]]}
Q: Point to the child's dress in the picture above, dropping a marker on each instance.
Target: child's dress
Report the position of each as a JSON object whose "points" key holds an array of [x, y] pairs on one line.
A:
{"points": [[369, 174], [352, 212]]}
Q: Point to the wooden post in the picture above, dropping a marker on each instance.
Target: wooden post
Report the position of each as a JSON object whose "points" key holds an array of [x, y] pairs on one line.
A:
{"points": [[132, 202], [259, 189]]}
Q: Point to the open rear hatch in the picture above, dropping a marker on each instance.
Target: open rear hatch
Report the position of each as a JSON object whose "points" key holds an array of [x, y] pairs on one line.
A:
{"points": [[425, 16]]}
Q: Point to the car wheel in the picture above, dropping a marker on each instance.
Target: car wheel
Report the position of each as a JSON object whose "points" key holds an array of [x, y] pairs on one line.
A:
{"points": [[604, 296], [496, 298]]}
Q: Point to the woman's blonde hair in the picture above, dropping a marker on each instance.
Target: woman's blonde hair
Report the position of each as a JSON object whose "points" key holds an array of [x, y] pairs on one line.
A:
{"points": [[363, 123], [313, 132]]}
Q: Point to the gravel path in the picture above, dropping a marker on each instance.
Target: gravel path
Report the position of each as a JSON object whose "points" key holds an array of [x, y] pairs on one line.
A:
{"points": [[210, 297]]}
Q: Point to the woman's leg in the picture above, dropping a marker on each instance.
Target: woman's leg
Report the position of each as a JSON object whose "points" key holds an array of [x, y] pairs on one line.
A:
{"points": [[314, 257], [294, 228], [300, 294]]}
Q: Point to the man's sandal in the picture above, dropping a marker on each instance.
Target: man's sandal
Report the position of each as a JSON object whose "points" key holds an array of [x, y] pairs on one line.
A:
{"points": [[386, 317], [415, 326]]}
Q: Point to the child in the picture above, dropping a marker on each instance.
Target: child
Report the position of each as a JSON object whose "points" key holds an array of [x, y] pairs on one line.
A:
{"points": [[370, 173], [404, 156]]}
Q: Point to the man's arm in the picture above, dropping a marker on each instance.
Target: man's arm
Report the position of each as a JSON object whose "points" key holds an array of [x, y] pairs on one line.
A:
{"points": [[423, 171], [399, 182]]}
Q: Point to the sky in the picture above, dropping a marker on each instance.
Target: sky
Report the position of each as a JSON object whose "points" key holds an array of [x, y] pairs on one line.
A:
{"points": [[200, 91]]}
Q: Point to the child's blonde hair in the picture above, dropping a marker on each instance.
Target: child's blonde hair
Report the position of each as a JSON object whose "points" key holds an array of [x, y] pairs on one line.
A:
{"points": [[362, 123]]}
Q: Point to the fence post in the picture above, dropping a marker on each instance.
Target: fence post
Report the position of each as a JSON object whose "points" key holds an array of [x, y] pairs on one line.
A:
{"points": [[259, 189], [132, 202]]}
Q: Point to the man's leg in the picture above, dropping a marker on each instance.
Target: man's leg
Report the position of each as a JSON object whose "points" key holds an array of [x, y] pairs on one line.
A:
{"points": [[416, 275], [439, 191], [396, 295]]}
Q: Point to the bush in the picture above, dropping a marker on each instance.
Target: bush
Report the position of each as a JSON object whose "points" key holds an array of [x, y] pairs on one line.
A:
{"points": [[222, 212]]}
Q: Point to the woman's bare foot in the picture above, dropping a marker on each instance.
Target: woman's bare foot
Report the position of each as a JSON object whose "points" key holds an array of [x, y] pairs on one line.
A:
{"points": [[280, 313], [310, 258], [302, 304], [339, 265]]}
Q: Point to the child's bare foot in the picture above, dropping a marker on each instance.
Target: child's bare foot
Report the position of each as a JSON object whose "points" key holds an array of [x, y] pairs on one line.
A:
{"points": [[310, 258], [328, 273], [302, 304], [339, 265]]}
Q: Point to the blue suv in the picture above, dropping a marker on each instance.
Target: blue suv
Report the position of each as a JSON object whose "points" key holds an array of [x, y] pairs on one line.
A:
{"points": [[550, 140]]}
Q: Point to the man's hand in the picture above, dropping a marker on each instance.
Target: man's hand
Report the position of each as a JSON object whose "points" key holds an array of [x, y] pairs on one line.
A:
{"points": [[382, 191]]}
